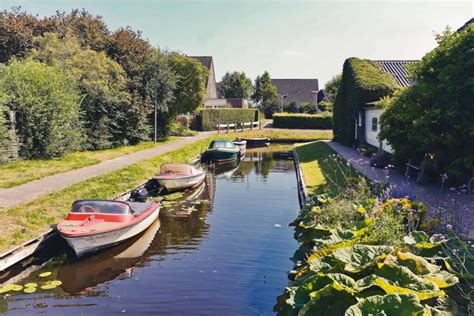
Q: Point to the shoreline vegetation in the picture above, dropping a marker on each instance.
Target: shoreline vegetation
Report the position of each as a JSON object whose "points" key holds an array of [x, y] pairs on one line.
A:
{"points": [[362, 250]]}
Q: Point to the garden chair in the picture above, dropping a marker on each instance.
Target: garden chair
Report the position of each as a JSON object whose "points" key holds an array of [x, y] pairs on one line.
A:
{"points": [[418, 167]]}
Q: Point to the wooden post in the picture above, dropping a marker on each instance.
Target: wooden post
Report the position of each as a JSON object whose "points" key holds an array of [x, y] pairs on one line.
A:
{"points": [[243, 126], [227, 128], [260, 124], [235, 128], [251, 125], [218, 128]]}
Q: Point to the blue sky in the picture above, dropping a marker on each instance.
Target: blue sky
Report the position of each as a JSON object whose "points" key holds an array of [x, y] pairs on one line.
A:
{"points": [[290, 39]]}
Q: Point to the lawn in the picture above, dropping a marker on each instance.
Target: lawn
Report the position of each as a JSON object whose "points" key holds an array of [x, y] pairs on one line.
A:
{"points": [[284, 133], [322, 169], [30, 219], [23, 171]]}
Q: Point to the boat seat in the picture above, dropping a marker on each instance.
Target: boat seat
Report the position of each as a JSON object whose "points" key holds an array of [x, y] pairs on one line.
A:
{"points": [[139, 207]]}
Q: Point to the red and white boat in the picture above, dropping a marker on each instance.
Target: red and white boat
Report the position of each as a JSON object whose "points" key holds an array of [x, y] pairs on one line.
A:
{"points": [[93, 225], [179, 176]]}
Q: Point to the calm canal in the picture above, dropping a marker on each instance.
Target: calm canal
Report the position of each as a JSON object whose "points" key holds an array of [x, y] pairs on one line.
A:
{"points": [[222, 249]]}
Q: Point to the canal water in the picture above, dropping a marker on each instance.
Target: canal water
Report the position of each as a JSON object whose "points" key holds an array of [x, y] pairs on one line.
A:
{"points": [[222, 249]]}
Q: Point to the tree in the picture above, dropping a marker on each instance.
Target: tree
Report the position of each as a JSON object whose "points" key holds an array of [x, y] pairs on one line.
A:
{"points": [[8, 151], [332, 86], [433, 120], [236, 85], [266, 95], [190, 88], [16, 33], [46, 102], [101, 82], [159, 84]]}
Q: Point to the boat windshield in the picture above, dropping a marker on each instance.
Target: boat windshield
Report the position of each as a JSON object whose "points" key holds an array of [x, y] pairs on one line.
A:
{"points": [[221, 144], [98, 206]]}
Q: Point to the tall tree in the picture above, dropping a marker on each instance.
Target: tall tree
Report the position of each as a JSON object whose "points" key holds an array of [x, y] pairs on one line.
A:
{"points": [[190, 88], [236, 85], [266, 95], [101, 83], [46, 102], [332, 86]]}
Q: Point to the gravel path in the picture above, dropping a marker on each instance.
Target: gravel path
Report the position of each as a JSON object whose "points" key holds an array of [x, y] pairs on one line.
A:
{"points": [[34, 189], [456, 205]]}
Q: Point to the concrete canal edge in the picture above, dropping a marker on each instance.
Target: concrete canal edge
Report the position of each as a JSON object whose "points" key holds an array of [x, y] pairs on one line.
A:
{"points": [[302, 192]]}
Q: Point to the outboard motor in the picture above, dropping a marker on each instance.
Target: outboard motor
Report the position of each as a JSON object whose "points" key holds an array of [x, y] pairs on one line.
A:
{"points": [[139, 195]]}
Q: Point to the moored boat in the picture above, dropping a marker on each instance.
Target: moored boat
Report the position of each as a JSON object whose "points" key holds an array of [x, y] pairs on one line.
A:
{"points": [[92, 225], [220, 151], [179, 176], [256, 141], [241, 144]]}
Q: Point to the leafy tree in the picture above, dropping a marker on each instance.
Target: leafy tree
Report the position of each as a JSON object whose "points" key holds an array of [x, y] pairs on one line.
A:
{"points": [[133, 54], [46, 103], [332, 86], [190, 88], [159, 83], [433, 120], [16, 33], [101, 82], [266, 95], [236, 85], [8, 150]]}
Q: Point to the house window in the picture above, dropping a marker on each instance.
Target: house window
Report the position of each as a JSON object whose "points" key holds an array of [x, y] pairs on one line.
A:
{"points": [[374, 124]]}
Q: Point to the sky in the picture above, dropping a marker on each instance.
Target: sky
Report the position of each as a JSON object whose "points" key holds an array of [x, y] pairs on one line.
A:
{"points": [[290, 39]]}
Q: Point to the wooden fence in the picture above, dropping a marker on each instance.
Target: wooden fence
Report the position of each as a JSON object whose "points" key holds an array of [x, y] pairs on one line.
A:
{"points": [[238, 126]]}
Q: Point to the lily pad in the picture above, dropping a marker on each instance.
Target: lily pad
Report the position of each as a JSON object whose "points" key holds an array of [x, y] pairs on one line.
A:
{"points": [[31, 285], [48, 286], [4, 290], [29, 290], [56, 282], [45, 274], [17, 287]]}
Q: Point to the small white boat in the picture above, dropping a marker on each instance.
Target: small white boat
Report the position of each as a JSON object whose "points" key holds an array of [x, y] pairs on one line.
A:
{"points": [[242, 144], [179, 176], [93, 225]]}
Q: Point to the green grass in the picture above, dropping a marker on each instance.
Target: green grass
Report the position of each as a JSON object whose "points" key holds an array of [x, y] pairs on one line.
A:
{"points": [[30, 219], [284, 133], [23, 171], [322, 170]]}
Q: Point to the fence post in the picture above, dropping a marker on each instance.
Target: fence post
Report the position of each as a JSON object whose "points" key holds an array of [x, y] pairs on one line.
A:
{"points": [[227, 128], [251, 125], [260, 124], [235, 128], [218, 128]]}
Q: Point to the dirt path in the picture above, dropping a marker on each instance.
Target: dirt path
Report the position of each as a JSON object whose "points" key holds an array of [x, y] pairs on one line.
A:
{"points": [[34, 189], [454, 203]]}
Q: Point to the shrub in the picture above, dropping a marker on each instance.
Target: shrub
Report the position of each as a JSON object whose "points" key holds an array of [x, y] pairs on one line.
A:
{"points": [[207, 119], [47, 105], [434, 118], [321, 120], [8, 150], [362, 82]]}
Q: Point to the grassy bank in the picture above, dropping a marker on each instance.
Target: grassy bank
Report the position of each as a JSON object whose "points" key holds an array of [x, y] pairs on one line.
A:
{"points": [[30, 219], [319, 172], [23, 171], [284, 133]]}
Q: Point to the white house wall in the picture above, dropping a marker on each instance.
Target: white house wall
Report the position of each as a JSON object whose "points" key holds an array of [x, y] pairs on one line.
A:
{"points": [[371, 137]]}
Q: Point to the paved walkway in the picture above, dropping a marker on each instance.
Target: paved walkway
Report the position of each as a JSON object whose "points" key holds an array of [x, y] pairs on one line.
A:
{"points": [[34, 189], [458, 206]]}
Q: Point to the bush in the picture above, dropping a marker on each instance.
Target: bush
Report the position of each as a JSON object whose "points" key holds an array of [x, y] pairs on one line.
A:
{"points": [[362, 82], [207, 119], [8, 150], [47, 105], [433, 120], [321, 120]]}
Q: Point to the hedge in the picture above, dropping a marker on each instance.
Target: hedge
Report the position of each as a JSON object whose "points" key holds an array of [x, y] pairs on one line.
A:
{"points": [[207, 119], [321, 120], [362, 82]]}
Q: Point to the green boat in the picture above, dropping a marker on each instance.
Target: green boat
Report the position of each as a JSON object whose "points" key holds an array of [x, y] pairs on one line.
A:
{"points": [[221, 151]]}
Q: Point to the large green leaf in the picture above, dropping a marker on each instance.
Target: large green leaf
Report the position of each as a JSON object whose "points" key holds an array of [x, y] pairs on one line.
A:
{"points": [[333, 299], [400, 280], [389, 305], [417, 264], [358, 257]]}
